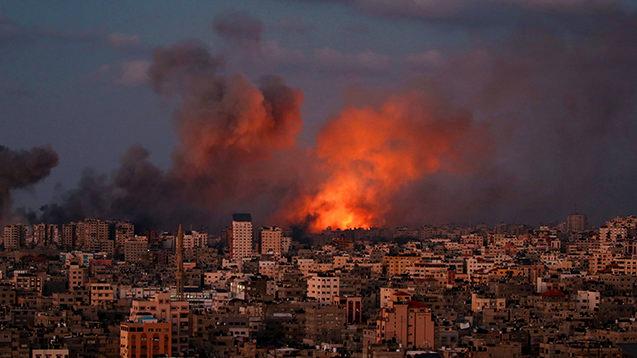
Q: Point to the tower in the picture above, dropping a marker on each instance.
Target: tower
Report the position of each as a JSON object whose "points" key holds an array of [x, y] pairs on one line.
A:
{"points": [[241, 237], [576, 223], [179, 261]]}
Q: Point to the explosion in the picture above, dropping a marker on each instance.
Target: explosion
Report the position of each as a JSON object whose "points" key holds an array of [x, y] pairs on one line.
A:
{"points": [[370, 153]]}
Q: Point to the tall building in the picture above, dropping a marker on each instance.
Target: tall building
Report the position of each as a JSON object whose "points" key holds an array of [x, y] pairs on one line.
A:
{"points": [[124, 231], [135, 249], [43, 234], [576, 223], [179, 262], [145, 338], [273, 242], [240, 237], [69, 235], [409, 324], [93, 235], [163, 308], [14, 236]]}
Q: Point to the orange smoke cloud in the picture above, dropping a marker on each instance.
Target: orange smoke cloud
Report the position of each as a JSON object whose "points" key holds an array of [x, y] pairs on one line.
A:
{"points": [[242, 122], [368, 154]]}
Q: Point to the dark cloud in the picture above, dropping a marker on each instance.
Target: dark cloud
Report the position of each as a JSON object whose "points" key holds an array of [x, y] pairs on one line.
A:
{"points": [[238, 27], [20, 169], [563, 112]]}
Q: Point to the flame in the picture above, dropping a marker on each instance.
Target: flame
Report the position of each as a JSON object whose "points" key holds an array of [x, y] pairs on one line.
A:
{"points": [[368, 154]]}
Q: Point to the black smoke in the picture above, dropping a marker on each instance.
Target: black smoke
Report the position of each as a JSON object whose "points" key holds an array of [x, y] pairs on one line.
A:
{"points": [[20, 169]]}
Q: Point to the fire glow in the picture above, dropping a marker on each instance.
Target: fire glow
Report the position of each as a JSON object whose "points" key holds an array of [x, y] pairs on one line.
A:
{"points": [[368, 154]]}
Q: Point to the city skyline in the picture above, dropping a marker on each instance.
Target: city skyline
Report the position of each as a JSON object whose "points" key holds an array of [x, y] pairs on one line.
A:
{"points": [[318, 179], [448, 291]]}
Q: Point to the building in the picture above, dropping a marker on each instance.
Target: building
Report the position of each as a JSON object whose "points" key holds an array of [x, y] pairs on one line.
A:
{"points": [[268, 268], [323, 289], [480, 303], [273, 242], [613, 233], [179, 261], [409, 324], [145, 338], [93, 235], [50, 353], [399, 264], [163, 308], [69, 235], [240, 237], [7, 296], [195, 240], [27, 281], [353, 308], [323, 323], [14, 236], [44, 234], [124, 231], [390, 295], [77, 276], [576, 223], [102, 293], [135, 249], [588, 300]]}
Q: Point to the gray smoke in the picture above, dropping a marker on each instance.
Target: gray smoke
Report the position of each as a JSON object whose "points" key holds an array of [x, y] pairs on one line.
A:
{"points": [[562, 108], [22, 168], [238, 28]]}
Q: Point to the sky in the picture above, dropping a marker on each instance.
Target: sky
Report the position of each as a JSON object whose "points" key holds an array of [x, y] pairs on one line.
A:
{"points": [[546, 89]]}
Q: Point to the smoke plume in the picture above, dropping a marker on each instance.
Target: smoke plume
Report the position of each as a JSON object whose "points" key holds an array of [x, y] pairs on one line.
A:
{"points": [[20, 169], [232, 136]]}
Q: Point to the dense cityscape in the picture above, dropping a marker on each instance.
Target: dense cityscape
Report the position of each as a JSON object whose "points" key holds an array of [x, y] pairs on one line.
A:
{"points": [[318, 178], [97, 288]]}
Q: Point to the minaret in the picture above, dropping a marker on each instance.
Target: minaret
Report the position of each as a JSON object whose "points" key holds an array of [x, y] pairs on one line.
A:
{"points": [[179, 261]]}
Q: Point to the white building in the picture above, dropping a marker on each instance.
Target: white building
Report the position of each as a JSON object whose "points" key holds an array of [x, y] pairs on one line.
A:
{"points": [[240, 237], [323, 288]]}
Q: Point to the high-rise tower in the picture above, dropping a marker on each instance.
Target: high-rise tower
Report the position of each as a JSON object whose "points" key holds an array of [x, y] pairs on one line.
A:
{"points": [[179, 261], [241, 237]]}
